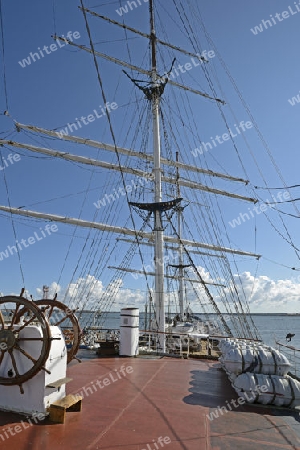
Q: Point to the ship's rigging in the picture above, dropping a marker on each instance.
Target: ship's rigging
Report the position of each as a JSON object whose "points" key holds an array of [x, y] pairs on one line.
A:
{"points": [[164, 170]]}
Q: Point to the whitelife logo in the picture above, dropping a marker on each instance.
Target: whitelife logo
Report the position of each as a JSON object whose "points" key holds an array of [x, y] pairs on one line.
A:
{"points": [[279, 17], [294, 100], [243, 217], [108, 198], [12, 431], [85, 120], [25, 243], [10, 160], [257, 390], [33, 57], [218, 140], [132, 4]]}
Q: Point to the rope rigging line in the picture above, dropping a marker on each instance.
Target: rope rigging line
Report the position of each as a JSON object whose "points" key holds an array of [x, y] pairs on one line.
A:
{"points": [[231, 285], [226, 262], [202, 281], [212, 223], [99, 272], [109, 120], [84, 247], [72, 240], [277, 188], [255, 126], [3, 58], [285, 213], [13, 225], [116, 277], [89, 234], [289, 240], [54, 18], [282, 265]]}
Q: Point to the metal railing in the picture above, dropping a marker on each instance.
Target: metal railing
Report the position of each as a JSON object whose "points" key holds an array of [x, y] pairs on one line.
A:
{"points": [[178, 344], [293, 355]]}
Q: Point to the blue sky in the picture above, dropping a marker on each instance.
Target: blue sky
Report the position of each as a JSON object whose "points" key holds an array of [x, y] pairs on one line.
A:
{"points": [[62, 86]]}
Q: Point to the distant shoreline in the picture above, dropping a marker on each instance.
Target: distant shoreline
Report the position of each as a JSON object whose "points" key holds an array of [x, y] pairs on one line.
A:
{"points": [[200, 313]]}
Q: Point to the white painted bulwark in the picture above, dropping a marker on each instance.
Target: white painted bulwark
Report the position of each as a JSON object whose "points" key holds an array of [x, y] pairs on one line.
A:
{"points": [[37, 396], [129, 332]]}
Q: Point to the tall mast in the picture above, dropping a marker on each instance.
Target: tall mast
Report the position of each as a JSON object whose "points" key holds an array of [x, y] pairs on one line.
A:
{"points": [[158, 228], [180, 257]]}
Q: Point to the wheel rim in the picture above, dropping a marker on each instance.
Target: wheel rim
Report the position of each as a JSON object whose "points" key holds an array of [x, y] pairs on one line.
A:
{"points": [[10, 340], [65, 313]]}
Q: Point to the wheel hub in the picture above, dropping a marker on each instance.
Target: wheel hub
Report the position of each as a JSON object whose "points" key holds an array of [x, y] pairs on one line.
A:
{"points": [[7, 340]]}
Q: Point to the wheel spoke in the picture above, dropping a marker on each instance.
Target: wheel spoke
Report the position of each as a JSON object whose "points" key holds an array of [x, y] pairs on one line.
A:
{"points": [[17, 347], [2, 320], [14, 363], [50, 311], [26, 323], [30, 339], [60, 321], [2, 356], [14, 317]]}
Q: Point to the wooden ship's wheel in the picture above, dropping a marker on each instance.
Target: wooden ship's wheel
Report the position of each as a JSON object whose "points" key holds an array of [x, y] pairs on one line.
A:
{"points": [[56, 313], [17, 313]]}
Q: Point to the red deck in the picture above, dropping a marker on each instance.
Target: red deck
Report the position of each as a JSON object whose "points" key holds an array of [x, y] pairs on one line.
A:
{"points": [[157, 401]]}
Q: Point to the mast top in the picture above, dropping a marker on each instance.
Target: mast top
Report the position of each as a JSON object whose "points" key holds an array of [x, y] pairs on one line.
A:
{"points": [[153, 41]]}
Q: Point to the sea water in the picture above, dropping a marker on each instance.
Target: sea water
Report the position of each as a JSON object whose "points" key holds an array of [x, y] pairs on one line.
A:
{"points": [[271, 327]]}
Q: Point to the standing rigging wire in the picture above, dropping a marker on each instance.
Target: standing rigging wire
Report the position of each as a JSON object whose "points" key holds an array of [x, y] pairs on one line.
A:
{"points": [[232, 279], [6, 113], [217, 235], [210, 297], [98, 272], [93, 240], [260, 135], [210, 83], [13, 225], [54, 19], [73, 235], [73, 238], [128, 52], [3, 58], [233, 282], [110, 123]]}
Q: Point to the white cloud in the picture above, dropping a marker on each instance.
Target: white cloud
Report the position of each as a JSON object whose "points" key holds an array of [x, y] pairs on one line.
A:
{"points": [[262, 293], [88, 293], [267, 295]]}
